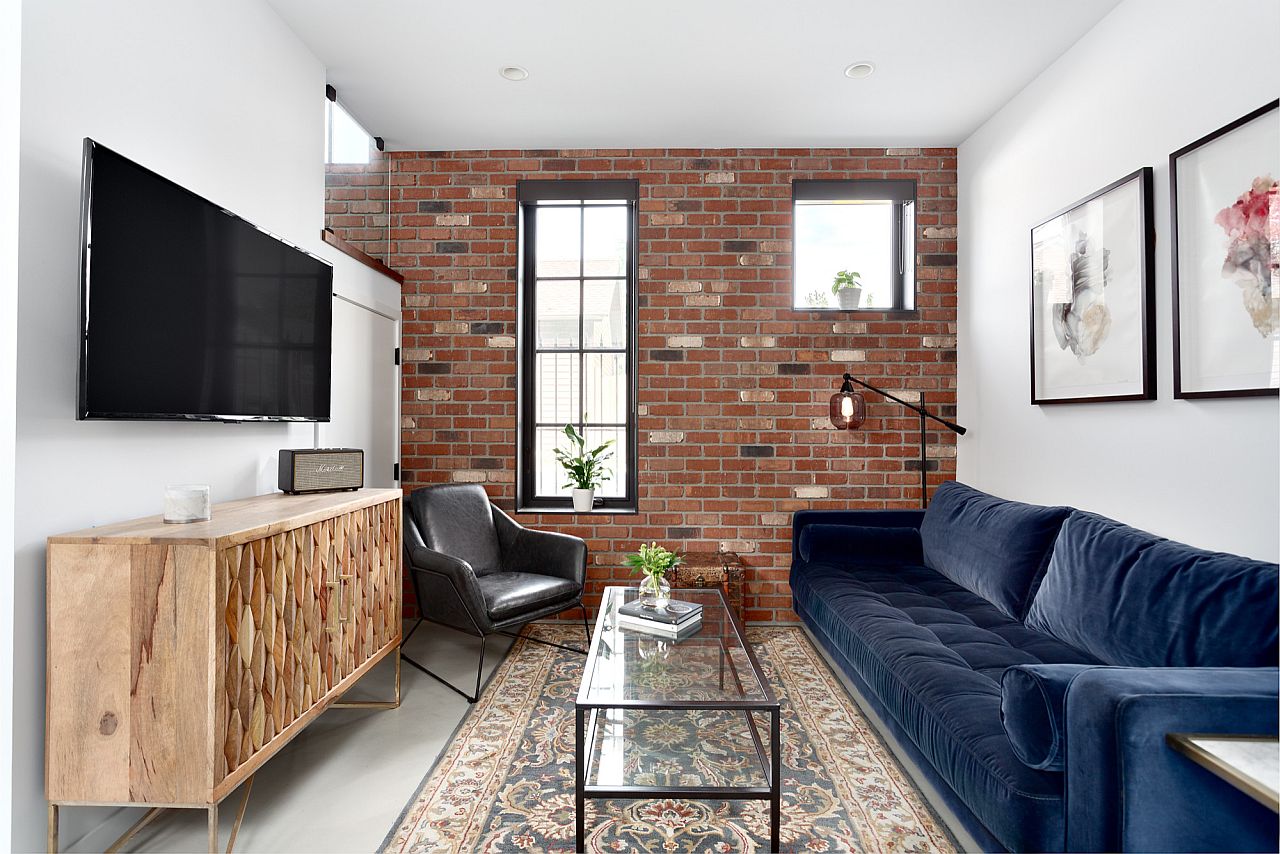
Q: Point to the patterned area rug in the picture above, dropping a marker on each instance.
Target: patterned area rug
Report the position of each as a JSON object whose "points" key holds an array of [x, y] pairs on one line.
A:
{"points": [[505, 782]]}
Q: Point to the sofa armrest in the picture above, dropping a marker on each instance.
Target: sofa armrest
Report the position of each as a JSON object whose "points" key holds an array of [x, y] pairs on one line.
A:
{"points": [[1033, 711], [861, 520], [1126, 790]]}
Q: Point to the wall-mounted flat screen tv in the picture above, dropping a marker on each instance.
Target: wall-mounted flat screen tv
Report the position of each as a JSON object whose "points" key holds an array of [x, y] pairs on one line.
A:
{"points": [[188, 312]]}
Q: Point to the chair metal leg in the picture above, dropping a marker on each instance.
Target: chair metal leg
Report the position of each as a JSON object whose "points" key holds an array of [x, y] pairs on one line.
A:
{"points": [[404, 640], [520, 634], [470, 698]]}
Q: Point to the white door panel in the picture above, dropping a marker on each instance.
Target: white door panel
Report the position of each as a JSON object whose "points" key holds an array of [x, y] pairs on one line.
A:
{"points": [[366, 388]]}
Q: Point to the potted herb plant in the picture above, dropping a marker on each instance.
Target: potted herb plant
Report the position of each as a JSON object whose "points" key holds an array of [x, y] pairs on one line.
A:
{"points": [[653, 561], [847, 288], [586, 469]]}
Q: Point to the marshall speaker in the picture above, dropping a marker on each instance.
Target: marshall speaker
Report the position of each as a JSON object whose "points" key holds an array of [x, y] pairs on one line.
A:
{"points": [[321, 470]]}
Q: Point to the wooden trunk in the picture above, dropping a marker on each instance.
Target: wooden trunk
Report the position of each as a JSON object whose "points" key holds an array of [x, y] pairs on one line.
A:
{"points": [[712, 569], [182, 657]]}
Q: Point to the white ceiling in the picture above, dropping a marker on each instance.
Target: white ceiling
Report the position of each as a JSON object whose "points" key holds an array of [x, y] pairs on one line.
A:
{"points": [[423, 74]]}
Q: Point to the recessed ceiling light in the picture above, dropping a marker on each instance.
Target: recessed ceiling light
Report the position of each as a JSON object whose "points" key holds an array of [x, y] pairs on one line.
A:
{"points": [[514, 73], [859, 70]]}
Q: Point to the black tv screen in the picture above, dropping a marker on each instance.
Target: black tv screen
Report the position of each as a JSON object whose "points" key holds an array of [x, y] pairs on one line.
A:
{"points": [[190, 312]]}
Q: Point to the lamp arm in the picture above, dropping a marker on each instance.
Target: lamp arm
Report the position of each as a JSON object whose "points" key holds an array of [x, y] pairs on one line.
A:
{"points": [[954, 428]]}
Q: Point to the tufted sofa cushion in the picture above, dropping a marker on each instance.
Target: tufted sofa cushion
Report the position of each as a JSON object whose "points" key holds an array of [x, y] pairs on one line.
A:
{"points": [[934, 653]]}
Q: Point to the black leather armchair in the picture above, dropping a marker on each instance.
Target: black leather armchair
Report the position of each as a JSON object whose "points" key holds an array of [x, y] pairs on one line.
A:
{"points": [[477, 570]]}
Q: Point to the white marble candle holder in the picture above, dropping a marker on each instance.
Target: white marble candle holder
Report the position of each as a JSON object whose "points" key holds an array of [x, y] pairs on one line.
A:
{"points": [[187, 502]]}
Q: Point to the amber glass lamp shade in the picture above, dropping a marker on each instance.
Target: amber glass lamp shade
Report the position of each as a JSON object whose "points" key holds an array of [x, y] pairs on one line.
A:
{"points": [[848, 409]]}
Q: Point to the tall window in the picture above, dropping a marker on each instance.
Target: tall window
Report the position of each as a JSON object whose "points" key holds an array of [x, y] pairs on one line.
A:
{"points": [[577, 335], [863, 227]]}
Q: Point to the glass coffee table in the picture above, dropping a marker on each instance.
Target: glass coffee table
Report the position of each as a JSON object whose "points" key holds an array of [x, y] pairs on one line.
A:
{"points": [[643, 700]]}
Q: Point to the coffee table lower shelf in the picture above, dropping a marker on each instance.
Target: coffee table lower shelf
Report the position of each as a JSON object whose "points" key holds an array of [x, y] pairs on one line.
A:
{"points": [[770, 767]]}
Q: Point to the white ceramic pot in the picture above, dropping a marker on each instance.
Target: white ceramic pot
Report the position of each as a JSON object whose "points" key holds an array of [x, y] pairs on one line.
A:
{"points": [[583, 500], [849, 297]]}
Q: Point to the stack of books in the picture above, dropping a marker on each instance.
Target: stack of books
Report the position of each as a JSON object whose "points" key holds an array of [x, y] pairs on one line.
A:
{"points": [[674, 621]]}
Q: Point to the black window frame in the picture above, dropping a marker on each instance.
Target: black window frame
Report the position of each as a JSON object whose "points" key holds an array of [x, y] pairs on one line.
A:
{"points": [[529, 193], [900, 192]]}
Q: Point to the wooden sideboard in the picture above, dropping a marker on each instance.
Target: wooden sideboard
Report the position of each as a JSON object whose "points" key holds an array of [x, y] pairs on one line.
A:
{"points": [[183, 657]]}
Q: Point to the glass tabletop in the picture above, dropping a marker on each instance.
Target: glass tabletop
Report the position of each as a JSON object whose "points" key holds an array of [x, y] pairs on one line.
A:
{"points": [[713, 667]]}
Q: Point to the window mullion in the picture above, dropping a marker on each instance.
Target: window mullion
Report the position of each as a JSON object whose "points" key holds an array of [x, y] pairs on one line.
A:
{"points": [[898, 266], [582, 319]]}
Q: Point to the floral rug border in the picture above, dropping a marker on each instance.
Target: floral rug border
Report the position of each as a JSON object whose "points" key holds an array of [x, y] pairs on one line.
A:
{"points": [[874, 804]]}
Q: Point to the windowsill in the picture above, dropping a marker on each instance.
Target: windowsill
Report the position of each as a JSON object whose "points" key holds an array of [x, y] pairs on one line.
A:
{"points": [[569, 511], [882, 312]]}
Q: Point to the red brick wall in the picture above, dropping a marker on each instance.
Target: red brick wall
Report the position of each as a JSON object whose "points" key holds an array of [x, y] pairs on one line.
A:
{"points": [[733, 384]]}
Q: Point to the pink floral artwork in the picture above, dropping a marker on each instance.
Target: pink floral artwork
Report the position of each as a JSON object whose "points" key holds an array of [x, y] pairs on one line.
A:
{"points": [[1252, 261]]}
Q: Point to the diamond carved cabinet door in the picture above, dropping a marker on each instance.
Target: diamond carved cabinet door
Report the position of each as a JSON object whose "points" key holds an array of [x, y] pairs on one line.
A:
{"points": [[302, 610], [274, 612], [367, 603], [300, 617]]}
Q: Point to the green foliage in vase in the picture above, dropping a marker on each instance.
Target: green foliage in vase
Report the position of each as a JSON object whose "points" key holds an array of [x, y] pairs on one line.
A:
{"points": [[845, 279], [586, 469], [653, 561]]}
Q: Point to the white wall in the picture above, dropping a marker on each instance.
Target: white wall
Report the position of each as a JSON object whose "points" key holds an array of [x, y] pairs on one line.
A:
{"points": [[1151, 77], [10, 97], [224, 99]]}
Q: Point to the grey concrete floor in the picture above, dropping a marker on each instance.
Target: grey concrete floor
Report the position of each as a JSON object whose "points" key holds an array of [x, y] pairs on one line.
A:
{"points": [[341, 784]]}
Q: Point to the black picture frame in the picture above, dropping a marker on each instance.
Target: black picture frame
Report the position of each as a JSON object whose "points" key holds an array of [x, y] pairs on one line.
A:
{"points": [[1145, 255], [1179, 391]]}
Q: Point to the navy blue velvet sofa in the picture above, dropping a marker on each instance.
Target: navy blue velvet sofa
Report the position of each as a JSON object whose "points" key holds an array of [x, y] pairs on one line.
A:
{"points": [[1031, 660]]}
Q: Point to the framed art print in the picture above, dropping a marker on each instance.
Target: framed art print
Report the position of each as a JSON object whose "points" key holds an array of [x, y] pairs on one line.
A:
{"points": [[1226, 260], [1092, 296]]}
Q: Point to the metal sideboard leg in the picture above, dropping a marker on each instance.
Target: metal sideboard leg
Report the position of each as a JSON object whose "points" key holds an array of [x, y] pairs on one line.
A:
{"points": [[213, 828]]}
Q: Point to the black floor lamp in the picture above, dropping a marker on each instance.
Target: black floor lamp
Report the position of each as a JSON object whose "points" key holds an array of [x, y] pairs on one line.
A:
{"points": [[849, 410]]}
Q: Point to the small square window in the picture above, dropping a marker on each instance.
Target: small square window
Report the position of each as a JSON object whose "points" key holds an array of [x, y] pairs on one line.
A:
{"points": [[853, 245], [345, 141]]}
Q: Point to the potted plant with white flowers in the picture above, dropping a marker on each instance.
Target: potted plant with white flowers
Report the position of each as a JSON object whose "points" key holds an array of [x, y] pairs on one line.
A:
{"points": [[586, 469], [847, 288]]}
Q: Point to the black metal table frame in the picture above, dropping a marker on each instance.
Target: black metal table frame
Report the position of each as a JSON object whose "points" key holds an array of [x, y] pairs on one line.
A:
{"points": [[586, 714]]}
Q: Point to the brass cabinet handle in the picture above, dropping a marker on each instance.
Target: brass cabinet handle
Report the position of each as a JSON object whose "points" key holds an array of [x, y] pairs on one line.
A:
{"points": [[351, 600], [342, 617], [335, 607]]}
